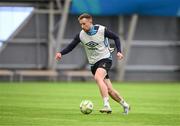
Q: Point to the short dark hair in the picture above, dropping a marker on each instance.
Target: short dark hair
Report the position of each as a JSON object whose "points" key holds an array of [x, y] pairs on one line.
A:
{"points": [[84, 15]]}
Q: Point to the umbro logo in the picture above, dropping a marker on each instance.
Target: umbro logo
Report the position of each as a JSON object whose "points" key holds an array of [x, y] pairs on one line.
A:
{"points": [[91, 44]]}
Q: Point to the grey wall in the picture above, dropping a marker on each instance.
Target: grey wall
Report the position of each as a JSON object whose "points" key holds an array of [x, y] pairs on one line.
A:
{"points": [[29, 50], [34, 53]]}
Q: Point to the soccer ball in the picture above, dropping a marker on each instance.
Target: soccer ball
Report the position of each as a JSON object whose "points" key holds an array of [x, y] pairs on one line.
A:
{"points": [[86, 106]]}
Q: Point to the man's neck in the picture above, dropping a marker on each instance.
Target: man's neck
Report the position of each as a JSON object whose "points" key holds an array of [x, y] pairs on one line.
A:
{"points": [[91, 30]]}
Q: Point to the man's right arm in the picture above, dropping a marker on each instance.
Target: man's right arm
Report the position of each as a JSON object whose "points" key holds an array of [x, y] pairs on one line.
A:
{"points": [[71, 46]]}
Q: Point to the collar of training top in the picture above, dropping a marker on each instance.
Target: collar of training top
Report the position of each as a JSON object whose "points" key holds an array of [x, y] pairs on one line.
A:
{"points": [[93, 30]]}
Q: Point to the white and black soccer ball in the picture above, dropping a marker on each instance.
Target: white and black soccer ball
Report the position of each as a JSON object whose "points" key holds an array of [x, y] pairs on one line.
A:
{"points": [[86, 106]]}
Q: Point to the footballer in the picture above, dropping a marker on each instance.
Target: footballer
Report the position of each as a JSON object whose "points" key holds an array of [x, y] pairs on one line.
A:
{"points": [[94, 38]]}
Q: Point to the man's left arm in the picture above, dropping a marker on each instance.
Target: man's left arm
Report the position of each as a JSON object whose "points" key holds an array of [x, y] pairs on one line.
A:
{"points": [[112, 35]]}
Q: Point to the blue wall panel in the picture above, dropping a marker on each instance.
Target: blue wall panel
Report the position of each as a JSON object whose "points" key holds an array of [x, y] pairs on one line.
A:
{"points": [[127, 7]]}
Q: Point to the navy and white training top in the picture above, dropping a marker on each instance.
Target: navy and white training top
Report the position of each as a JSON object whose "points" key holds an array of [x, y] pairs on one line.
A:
{"points": [[95, 43]]}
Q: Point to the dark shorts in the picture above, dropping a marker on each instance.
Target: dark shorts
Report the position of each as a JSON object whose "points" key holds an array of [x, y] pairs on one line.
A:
{"points": [[103, 63]]}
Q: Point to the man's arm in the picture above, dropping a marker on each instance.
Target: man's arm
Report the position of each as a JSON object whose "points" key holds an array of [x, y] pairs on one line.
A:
{"points": [[113, 36], [69, 48]]}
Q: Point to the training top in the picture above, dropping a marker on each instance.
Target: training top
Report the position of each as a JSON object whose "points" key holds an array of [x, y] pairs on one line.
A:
{"points": [[95, 43]]}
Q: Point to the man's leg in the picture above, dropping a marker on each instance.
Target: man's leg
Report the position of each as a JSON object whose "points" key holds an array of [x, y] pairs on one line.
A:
{"points": [[99, 77], [115, 96]]}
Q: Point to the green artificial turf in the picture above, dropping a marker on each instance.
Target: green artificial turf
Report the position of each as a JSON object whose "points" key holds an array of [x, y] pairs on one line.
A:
{"points": [[57, 104]]}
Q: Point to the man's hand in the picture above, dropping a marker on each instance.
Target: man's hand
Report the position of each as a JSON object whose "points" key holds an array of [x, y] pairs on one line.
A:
{"points": [[119, 56], [58, 56]]}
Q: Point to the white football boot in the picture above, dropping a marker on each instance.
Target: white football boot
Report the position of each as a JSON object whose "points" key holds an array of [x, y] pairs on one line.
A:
{"points": [[106, 109], [126, 110]]}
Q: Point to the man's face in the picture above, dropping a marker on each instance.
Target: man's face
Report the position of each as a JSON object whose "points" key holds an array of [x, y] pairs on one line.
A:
{"points": [[85, 24]]}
